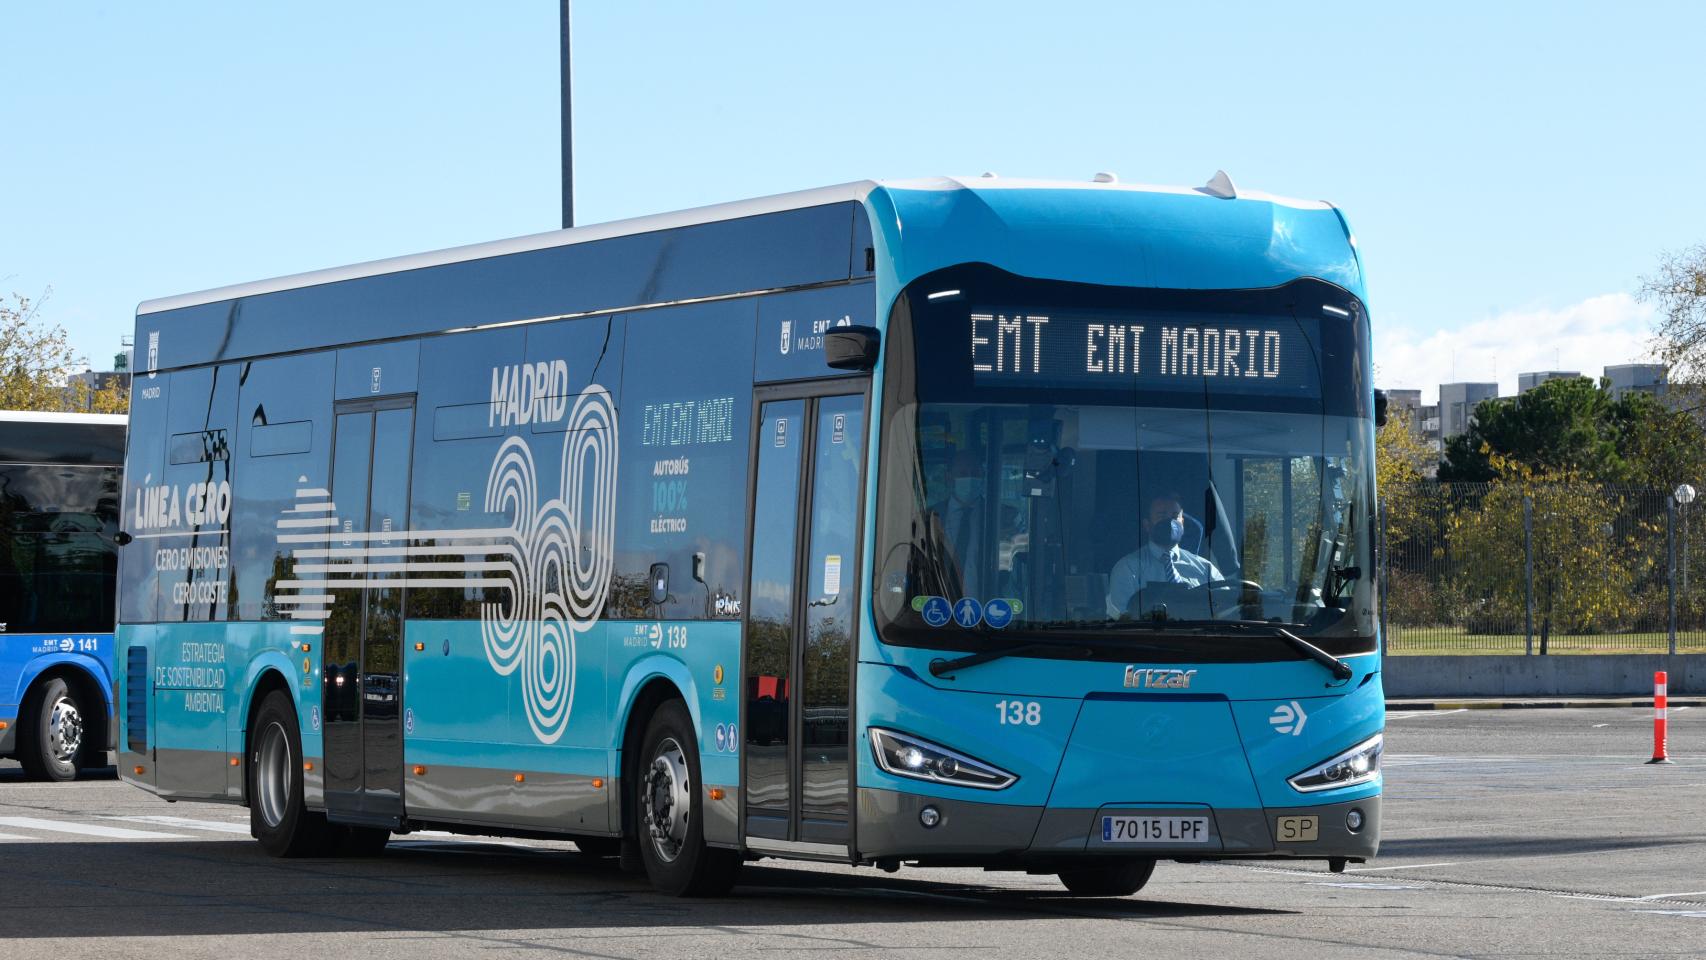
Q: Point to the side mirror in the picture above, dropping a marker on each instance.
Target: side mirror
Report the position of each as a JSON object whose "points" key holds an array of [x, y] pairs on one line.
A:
{"points": [[1380, 408], [851, 348]]}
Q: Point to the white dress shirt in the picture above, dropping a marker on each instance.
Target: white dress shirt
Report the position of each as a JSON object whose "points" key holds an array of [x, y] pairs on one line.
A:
{"points": [[1151, 564]]}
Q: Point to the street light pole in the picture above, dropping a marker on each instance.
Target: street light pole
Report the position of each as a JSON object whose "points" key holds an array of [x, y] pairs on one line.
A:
{"points": [[568, 127]]}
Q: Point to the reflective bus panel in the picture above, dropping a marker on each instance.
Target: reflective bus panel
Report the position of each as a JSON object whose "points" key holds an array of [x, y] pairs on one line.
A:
{"points": [[1029, 537]]}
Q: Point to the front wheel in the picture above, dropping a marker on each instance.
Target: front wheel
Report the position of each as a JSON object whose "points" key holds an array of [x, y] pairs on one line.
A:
{"points": [[670, 815], [278, 817], [1118, 878], [52, 733]]}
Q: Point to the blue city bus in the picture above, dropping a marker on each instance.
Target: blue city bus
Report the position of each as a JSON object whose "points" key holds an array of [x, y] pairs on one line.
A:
{"points": [[59, 517], [1012, 524]]}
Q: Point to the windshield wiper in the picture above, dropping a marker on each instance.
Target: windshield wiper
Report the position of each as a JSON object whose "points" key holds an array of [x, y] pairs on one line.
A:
{"points": [[941, 668], [1337, 667]]}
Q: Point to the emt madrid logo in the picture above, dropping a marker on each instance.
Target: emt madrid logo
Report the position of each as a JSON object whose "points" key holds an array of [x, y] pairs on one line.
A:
{"points": [[554, 557]]}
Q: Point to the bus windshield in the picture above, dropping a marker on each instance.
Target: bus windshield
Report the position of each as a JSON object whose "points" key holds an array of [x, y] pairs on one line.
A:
{"points": [[1185, 470]]}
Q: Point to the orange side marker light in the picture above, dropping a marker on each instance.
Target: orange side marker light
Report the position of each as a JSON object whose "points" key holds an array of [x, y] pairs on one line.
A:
{"points": [[307, 764], [716, 793], [521, 778], [420, 771], [139, 770], [4, 724], [234, 761], [420, 647], [598, 783]]}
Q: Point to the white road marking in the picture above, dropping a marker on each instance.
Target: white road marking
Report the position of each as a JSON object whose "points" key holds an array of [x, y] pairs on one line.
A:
{"points": [[86, 829], [1425, 713], [1403, 866], [1367, 886], [16, 836], [214, 826], [1696, 914]]}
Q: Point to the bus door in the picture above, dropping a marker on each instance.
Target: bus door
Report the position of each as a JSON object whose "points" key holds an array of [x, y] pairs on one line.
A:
{"points": [[802, 614], [362, 644]]}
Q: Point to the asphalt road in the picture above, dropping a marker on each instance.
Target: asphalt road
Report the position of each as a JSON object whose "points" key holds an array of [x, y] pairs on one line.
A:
{"points": [[1513, 833]]}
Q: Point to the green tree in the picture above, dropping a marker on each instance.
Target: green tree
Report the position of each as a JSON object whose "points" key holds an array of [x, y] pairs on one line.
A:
{"points": [[36, 364], [1658, 446], [1560, 426], [1402, 461], [1585, 572]]}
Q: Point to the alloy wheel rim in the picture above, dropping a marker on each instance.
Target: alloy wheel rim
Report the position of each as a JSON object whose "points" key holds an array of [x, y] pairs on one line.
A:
{"points": [[64, 730], [666, 800], [272, 774]]}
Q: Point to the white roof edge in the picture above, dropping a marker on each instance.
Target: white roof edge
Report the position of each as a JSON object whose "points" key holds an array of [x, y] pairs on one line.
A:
{"points": [[797, 200], [38, 416], [1022, 183]]}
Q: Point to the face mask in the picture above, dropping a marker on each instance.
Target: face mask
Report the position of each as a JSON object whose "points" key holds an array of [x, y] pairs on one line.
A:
{"points": [[1166, 534], [965, 487]]}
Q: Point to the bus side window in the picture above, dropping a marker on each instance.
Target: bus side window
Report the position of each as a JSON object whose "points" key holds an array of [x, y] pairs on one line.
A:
{"points": [[194, 561], [685, 419], [282, 444], [463, 417]]}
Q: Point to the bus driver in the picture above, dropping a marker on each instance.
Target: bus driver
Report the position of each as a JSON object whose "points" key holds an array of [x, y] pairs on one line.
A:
{"points": [[1160, 560]]}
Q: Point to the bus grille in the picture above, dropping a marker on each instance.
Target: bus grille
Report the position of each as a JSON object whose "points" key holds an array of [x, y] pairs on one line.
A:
{"points": [[136, 699]]}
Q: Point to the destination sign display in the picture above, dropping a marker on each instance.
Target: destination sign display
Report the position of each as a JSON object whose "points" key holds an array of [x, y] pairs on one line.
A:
{"points": [[1092, 350]]}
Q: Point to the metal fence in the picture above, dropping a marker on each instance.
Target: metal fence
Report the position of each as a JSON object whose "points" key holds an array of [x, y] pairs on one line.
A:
{"points": [[1541, 569]]}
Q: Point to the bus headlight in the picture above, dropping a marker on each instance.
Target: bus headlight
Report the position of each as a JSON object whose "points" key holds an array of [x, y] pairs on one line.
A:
{"points": [[1359, 764], [907, 756]]}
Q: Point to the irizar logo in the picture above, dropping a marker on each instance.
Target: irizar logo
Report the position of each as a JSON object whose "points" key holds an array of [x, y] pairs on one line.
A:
{"points": [[554, 558], [787, 334], [1159, 678]]}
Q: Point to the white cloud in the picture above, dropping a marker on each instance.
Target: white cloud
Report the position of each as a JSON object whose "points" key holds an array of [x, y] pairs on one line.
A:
{"points": [[1588, 336]]}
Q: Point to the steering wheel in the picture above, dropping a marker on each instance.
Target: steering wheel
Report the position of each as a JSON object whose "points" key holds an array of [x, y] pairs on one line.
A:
{"points": [[1208, 585]]}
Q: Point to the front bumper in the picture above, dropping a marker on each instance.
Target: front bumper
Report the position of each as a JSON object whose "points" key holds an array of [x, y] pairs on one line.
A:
{"points": [[972, 832]]}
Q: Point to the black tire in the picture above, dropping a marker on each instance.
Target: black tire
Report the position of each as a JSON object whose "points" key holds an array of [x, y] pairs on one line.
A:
{"points": [[278, 817], [54, 729], [599, 847], [673, 847], [1116, 878]]}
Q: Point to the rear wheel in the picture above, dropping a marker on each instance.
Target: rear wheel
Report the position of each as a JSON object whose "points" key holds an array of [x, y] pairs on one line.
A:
{"points": [[278, 817], [1117, 878], [670, 814], [53, 733]]}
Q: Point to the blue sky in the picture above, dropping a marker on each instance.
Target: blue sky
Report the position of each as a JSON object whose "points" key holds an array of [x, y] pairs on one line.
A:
{"points": [[1510, 169]]}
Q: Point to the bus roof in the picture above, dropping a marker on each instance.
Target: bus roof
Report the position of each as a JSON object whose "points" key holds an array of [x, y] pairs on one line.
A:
{"points": [[857, 190]]}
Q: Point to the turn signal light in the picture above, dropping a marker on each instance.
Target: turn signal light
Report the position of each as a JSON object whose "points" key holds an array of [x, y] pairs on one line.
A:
{"points": [[233, 761], [307, 647], [139, 770], [521, 778], [598, 783], [716, 793], [419, 647], [307, 764], [4, 724], [420, 771]]}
